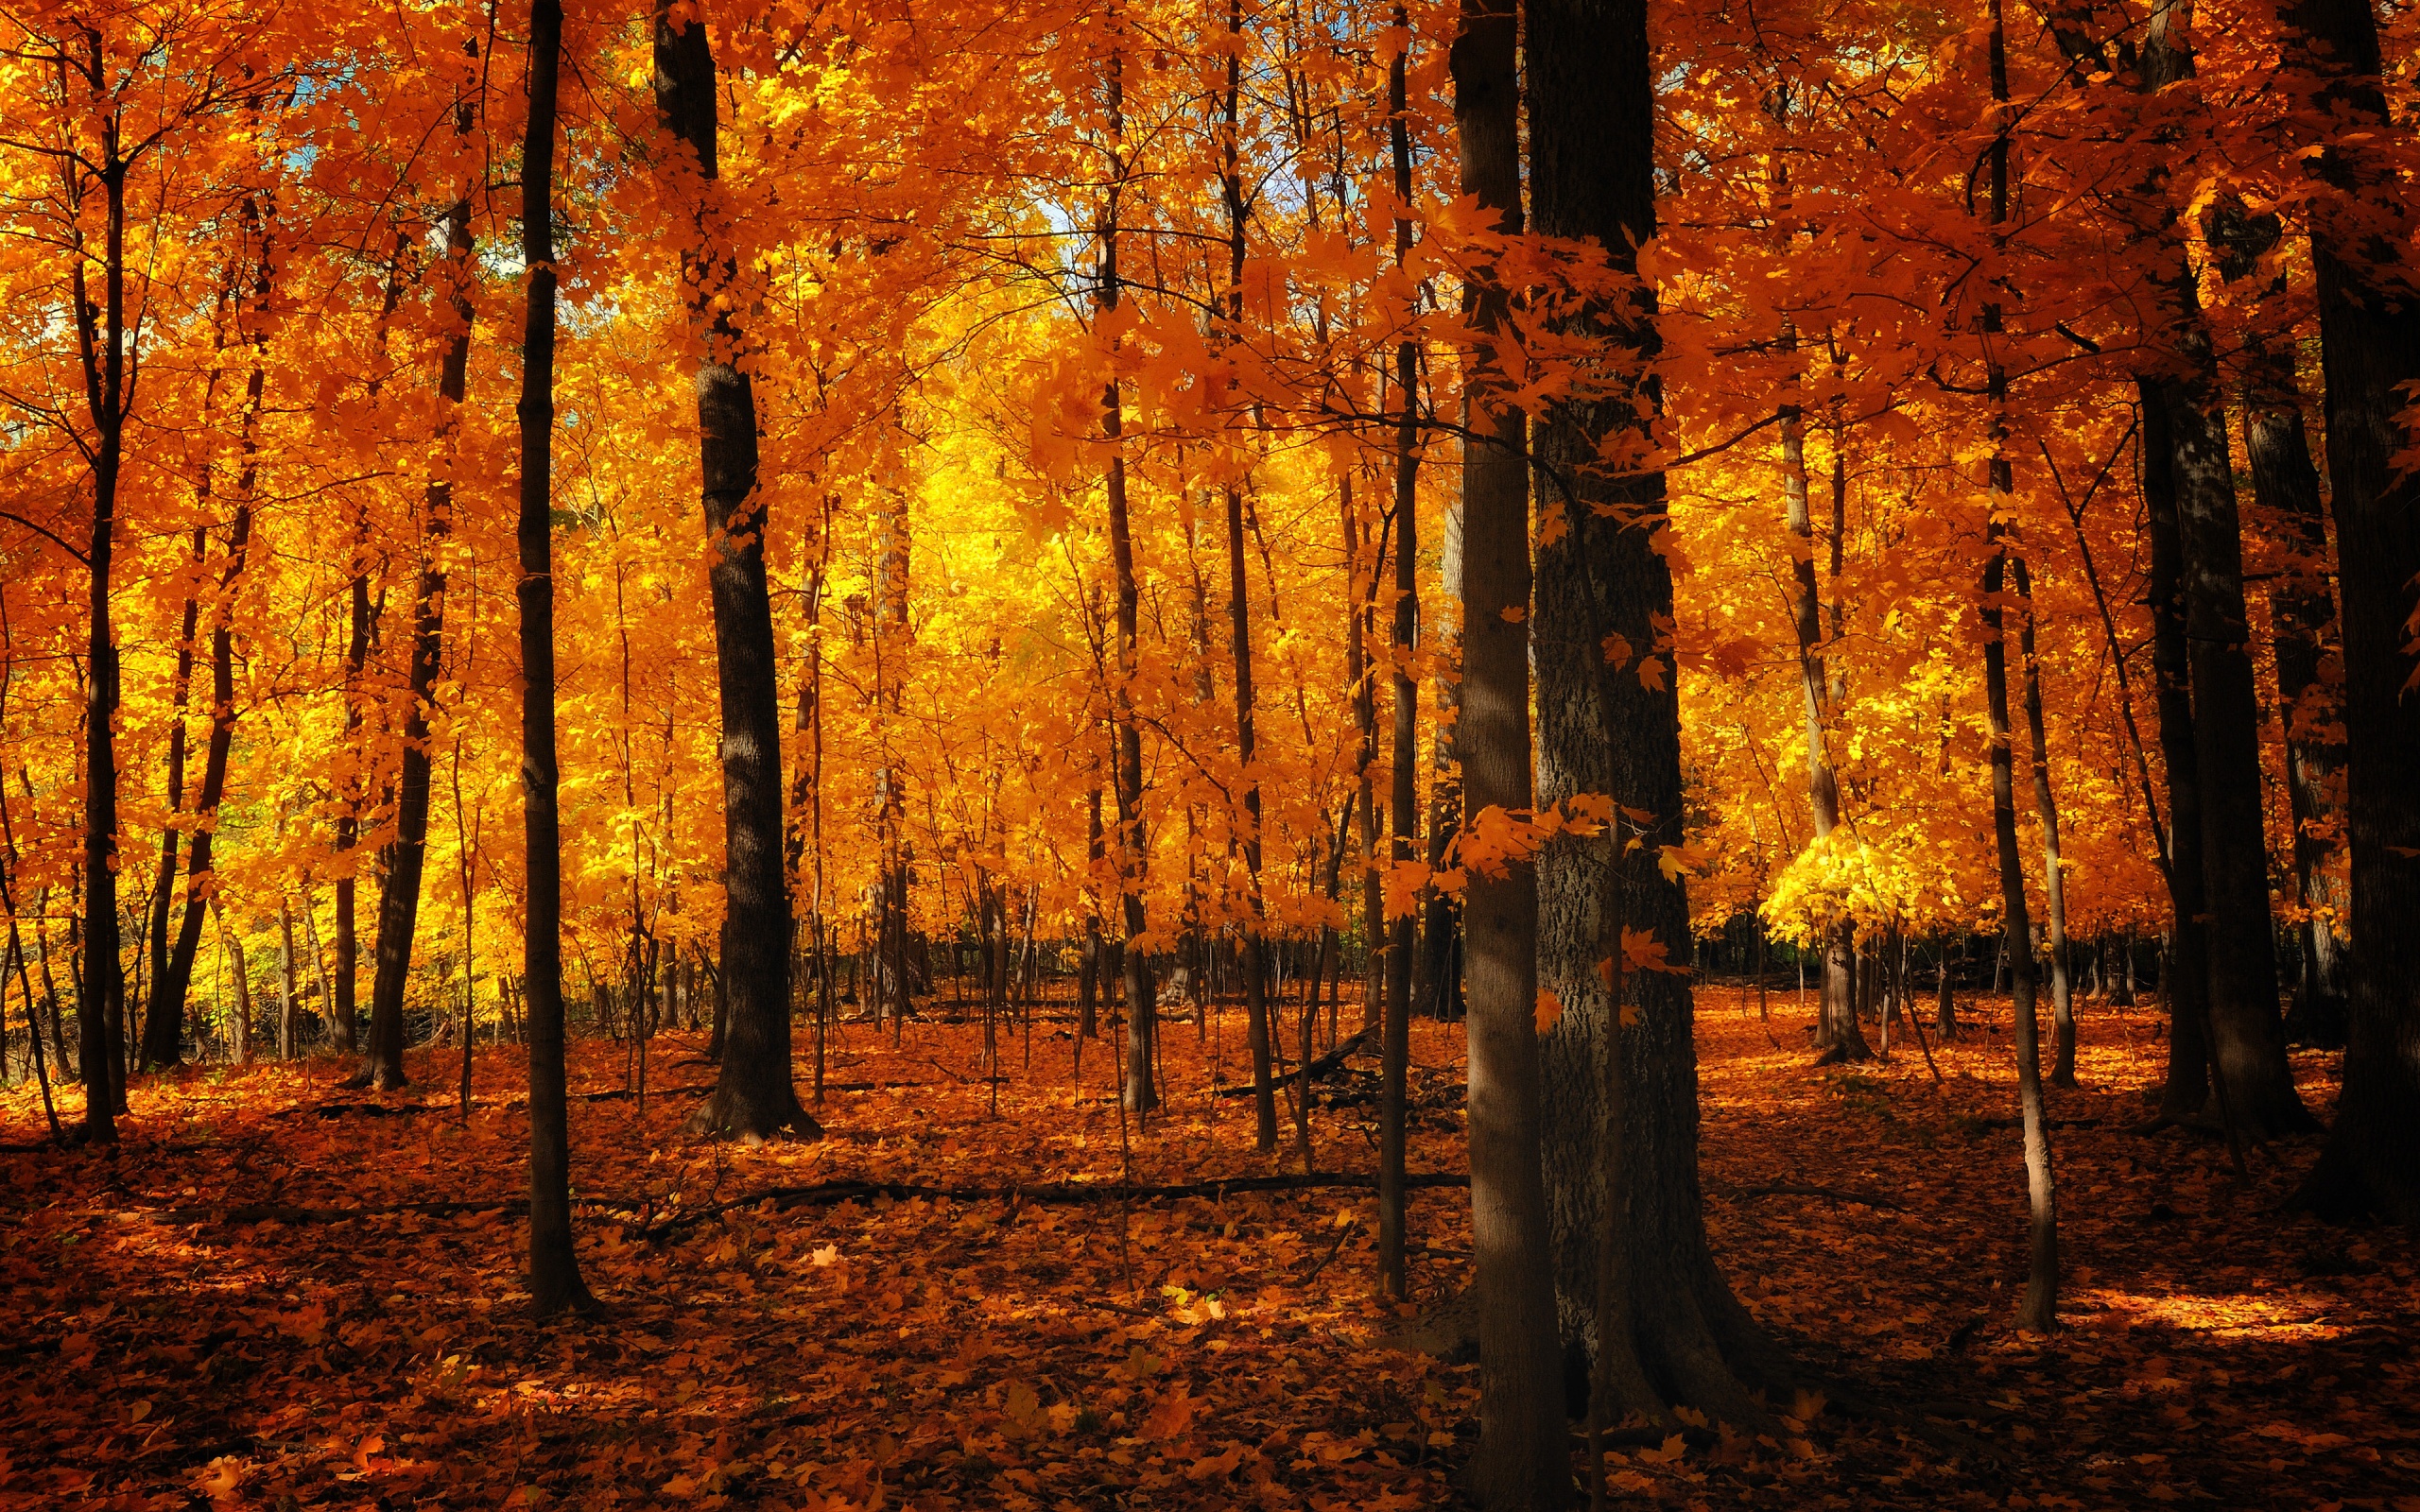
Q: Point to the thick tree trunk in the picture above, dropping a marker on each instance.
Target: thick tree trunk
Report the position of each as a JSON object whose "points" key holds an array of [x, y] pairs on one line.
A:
{"points": [[1522, 1463], [2247, 1033], [1608, 725], [554, 1281], [753, 1094], [2370, 335]]}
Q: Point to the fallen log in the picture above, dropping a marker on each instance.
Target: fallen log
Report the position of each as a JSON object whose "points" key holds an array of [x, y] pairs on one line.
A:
{"points": [[1352, 1044], [824, 1192]]}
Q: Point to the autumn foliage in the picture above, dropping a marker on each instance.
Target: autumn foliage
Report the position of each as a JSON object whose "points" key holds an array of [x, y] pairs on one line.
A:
{"points": [[881, 589]]}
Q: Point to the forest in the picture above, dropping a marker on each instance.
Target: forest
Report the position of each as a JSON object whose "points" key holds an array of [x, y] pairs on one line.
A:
{"points": [[845, 754]]}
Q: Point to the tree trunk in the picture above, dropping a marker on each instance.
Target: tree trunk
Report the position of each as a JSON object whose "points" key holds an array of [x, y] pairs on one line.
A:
{"points": [[2038, 1310], [753, 1094], [285, 998], [2247, 1034], [181, 685], [554, 1267], [2303, 638], [1394, 1038], [1522, 1463], [2046, 807], [2185, 975], [1133, 862], [399, 899], [1838, 1034], [1437, 983], [1608, 723], [2370, 335]]}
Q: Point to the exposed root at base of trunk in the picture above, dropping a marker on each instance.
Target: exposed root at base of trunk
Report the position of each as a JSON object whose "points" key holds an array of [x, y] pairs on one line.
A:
{"points": [[728, 1115]]}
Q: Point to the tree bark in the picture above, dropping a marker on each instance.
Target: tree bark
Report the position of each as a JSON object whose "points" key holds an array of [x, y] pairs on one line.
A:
{"points": [[2248, 1041], [554, 1281], [2038, 1310], [103, 345], [1133, 862], [2045, 808], [753, 1094], [1404, 767], [399, 899], [2185, 976], [2370, 339], [1522, 1464], [1608, 725]]}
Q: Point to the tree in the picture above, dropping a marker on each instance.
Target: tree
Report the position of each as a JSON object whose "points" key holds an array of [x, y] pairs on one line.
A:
{"points": [[754, 1096], [554, 1268], [1521, 1463], [399, 899], [1609, 726], [2370, 343]]}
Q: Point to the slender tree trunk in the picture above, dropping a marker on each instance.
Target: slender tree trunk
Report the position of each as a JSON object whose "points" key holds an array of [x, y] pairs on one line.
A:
{"points": [[179, 696], [399, 899], [2370, 335], [1838, 1034], [753, 1094], [285, 997], [2302, 625], [554, 1281], [2046, 807], [1437, 985], [2039, 1308], [1522, 1463], [1133, 861], [104, 351], [2185, 978], [1404, 769]]}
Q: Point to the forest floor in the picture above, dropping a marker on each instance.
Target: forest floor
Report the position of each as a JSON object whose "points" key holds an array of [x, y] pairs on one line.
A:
{"points": [[185, 1323]]}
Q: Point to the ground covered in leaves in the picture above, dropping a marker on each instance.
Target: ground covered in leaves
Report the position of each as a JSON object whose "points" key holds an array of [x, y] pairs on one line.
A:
{"points": [[190, 1320]]}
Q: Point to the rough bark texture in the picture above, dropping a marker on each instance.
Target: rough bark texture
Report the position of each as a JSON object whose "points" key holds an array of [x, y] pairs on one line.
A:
{"points": [[1614, 729], [2184, 981], [753, 1094], [2245, 1029], [1522, 1463], [2370, 335], [554, 1268]]}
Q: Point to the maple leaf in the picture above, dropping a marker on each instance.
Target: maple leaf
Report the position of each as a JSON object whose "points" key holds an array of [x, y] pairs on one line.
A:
{"points": [[1170, 1416]]}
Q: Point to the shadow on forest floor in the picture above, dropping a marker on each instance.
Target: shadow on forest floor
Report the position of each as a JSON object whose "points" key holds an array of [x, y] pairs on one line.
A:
{"points": [[1201, 1352]]}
